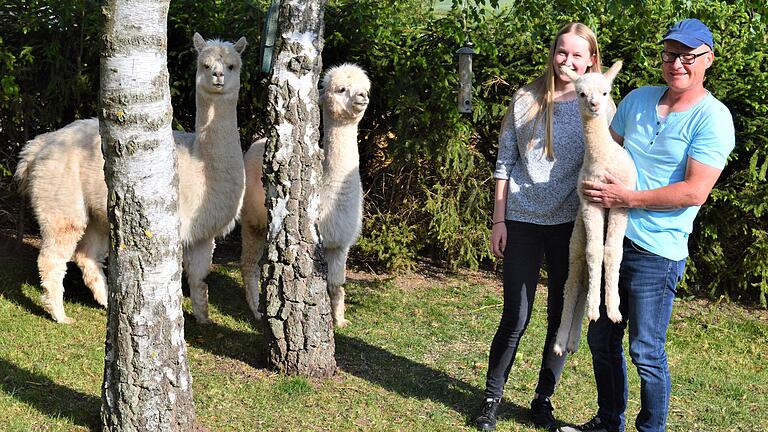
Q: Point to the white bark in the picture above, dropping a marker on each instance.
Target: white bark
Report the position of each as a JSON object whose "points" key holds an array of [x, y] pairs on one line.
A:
{"points": [[147, 385], [299, 327]]}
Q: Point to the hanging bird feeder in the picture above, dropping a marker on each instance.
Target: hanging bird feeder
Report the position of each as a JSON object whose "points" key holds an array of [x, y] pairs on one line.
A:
{"points": [[465, 54], [268, 37]]}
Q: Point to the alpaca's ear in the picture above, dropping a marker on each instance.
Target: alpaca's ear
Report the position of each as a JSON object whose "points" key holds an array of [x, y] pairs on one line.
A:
{"points": [[240, 45], [613, 71], [198, 41], [569, 73]]}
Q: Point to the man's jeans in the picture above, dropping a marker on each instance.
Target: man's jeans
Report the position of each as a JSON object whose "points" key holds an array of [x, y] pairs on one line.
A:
{"points": [[647, 285]]}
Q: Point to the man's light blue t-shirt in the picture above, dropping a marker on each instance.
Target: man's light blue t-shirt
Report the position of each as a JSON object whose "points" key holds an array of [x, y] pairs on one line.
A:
{"points": [[660, 150]]}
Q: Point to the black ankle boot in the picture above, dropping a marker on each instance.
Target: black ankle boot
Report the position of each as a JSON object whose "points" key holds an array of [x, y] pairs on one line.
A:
{"points": [[486, 421], [541, 413]]}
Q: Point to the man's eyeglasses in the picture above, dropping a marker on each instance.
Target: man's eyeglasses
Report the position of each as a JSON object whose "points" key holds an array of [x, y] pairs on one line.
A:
{"points": [[685, 58]]}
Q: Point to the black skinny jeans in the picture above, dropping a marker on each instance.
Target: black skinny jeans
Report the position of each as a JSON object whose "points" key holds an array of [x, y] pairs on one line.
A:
{"points": [[527, 246]]}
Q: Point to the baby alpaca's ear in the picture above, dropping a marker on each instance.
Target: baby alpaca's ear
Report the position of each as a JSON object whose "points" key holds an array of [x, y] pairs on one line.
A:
{"points": [[613, 71], [569, 73]]}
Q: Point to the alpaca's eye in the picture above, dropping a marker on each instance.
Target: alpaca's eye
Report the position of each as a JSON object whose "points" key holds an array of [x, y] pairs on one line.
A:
{"points": [[582, 94], [231, 67], [341, 90], [207, 66], [605, 93]]}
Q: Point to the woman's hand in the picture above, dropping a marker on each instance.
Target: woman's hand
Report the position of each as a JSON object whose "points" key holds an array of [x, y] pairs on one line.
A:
{"points": [[499, 239]]}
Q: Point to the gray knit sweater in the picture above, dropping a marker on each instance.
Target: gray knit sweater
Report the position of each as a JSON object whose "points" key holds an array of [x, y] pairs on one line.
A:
{"points": [[541, 191]]}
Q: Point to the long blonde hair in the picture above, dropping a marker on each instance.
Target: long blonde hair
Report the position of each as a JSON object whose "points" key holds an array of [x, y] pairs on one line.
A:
{"points": [[543, 88]]}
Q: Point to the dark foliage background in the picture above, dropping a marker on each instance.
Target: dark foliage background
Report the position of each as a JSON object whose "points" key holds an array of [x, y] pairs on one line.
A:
{"points": [[426, 168]]}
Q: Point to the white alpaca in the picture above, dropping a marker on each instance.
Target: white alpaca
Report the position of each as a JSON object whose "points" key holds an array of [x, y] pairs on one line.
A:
{"points": [[62, 171], [344, 98], [602, 156]]}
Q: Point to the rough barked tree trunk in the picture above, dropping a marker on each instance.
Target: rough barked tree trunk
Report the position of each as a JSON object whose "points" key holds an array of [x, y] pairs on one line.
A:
{"points": [[299, 327], [147, 385]]}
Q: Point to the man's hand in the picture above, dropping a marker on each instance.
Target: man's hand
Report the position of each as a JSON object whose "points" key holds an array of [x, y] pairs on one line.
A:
{"points": [[611, 194]]}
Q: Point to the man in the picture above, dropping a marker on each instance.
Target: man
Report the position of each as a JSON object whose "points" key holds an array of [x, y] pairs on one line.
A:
{"points": [[679, 137]]}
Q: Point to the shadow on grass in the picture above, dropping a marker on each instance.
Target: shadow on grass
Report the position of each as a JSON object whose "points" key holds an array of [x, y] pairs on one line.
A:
{"points": [[407, 377], [223, 341], [19, 266], [228, 297], [354, 356], [52, 399], [412, 379]]}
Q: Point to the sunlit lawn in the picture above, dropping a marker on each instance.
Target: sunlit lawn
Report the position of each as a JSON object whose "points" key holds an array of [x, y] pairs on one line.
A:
{"points": [[414, 358]]}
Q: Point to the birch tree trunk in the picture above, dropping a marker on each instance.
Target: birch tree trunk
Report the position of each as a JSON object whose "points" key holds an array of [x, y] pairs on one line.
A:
{"points": [[147, 385], [299, 327]]}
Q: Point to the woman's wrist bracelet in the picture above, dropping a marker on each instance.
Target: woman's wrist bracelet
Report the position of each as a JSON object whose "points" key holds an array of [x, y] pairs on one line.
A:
{"points": [[498, 222]]}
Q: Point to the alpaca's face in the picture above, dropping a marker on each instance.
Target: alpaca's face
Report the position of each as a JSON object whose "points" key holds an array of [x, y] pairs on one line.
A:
{"points": [[345, 93], [218, 66], [593, 89]]}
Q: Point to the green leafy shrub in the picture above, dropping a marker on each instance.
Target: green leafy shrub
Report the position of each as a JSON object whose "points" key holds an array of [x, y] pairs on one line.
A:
{"points": [[427, 169], [431, 168]]}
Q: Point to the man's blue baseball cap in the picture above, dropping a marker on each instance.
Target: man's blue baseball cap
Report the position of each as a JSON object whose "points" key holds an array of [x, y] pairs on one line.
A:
{"points": [[691, 33]]}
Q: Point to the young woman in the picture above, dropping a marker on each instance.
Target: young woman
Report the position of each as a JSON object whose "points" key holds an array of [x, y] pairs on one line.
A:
{"points": [[541, 147]]}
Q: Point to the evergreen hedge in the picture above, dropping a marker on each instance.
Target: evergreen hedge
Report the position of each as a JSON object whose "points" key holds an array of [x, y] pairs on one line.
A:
{"points": [[426, 168]]}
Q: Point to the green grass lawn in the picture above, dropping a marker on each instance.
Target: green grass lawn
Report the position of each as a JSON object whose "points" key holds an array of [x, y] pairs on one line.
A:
{"points": [[414, 358]]}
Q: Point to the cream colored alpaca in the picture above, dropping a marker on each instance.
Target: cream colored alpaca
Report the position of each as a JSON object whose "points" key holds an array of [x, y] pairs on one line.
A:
{"points": [[62, 171], [602, 156], [344, 98]]}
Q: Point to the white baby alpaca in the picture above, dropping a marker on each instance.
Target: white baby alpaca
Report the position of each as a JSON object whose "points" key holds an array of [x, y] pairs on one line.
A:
{"points": [[602, 156]]}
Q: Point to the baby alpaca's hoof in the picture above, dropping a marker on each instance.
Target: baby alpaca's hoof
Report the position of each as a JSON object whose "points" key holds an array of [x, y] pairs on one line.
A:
{"points": [[593, 314], [615, 316], [342, 323], [572, 348], [558, 349]]}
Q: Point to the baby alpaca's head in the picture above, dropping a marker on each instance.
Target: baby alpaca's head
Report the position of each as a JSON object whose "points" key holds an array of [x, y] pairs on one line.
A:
{"points": [[593, 89], [344, 93]]}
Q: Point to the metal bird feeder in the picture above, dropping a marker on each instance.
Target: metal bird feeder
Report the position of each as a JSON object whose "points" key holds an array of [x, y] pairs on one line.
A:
{"points": [[465, 54], [268, 37]]}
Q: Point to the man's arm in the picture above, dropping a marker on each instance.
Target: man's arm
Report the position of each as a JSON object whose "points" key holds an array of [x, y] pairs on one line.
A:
{"points": [[692, 191]]}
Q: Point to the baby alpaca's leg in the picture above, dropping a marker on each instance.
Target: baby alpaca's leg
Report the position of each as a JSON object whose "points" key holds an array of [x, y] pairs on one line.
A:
{"points": [[573, 287], [614, 249], [594, 222]]}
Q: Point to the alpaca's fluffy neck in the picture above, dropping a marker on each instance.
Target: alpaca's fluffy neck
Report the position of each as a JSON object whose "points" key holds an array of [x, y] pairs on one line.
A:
{"points": [[214, 204], [596, 134], [217, 138], [340, 147]]}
